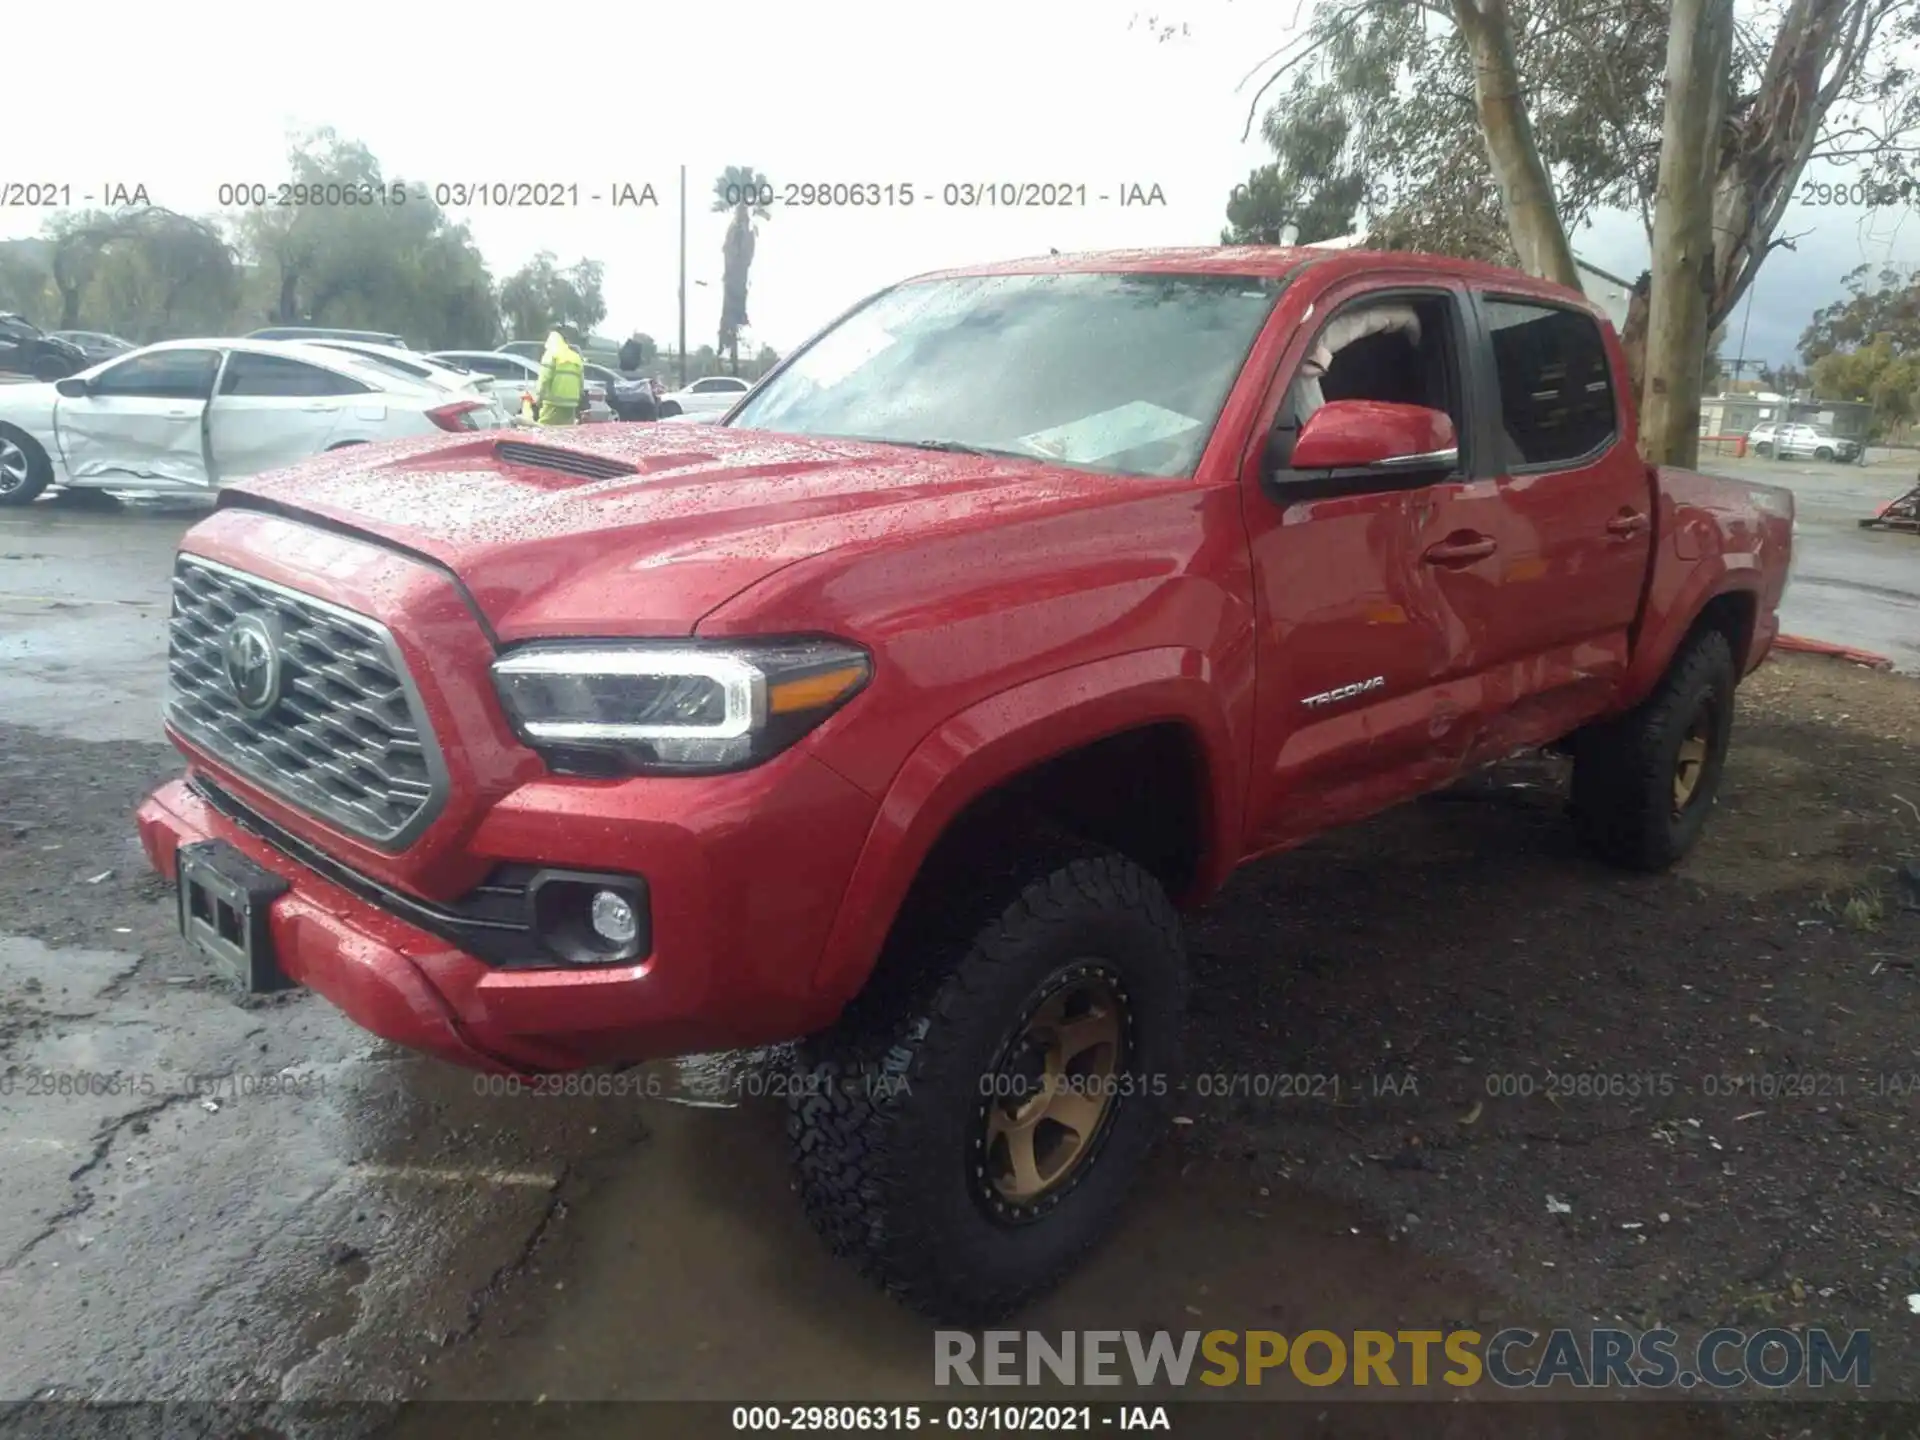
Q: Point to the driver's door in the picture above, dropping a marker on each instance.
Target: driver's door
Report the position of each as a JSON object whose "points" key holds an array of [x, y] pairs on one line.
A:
{"points": [[1357, 638], [144, 418]]}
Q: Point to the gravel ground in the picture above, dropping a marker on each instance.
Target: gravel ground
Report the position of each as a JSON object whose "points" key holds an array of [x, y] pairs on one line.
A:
{"points": [[1684, 1099]]}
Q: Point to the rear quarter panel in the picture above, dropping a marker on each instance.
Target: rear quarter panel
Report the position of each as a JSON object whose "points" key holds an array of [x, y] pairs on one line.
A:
{"points": [[1713, 536]]}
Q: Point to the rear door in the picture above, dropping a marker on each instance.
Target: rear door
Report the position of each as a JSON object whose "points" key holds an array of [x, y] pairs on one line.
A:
{"points": [[143, 418], [1578, 503], [272, 410]]}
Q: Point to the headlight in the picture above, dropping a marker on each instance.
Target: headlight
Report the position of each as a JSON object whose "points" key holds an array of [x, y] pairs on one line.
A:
{"points": [[636, 707]]}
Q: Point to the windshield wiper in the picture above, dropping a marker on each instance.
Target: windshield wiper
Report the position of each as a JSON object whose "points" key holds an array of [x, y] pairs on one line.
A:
{"points": [[957, 447]]}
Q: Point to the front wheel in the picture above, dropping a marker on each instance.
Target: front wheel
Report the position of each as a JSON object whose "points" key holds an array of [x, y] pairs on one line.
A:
{"points": [[1823, 453], [1643, 784], [51, 367], [966, 1141]]}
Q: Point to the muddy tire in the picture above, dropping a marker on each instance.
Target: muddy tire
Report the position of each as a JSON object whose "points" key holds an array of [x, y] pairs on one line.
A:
{"points": [[933, 1151], [1644, 784], [24, 468]]}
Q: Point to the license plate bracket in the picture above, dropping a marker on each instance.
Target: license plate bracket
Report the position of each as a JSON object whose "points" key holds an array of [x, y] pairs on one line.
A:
{"points": [[224, 901]]}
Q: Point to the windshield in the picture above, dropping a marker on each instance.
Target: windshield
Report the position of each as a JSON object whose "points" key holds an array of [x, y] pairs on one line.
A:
{"points": [[1121, 373]]}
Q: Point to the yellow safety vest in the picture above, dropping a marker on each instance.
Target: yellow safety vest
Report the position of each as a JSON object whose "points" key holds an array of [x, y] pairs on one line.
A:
{"points": [[563, 383]]}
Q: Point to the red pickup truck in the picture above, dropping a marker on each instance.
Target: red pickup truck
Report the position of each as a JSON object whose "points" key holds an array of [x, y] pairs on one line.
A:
{"points": [[900, 713]]}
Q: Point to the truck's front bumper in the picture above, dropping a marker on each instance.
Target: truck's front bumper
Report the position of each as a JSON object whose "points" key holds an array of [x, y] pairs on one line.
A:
{"points": [[736, 936]]}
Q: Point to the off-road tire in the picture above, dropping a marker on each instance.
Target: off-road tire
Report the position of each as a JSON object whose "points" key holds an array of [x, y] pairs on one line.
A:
{"points": [[16, 490], [1623, 770], [885, 1113]]}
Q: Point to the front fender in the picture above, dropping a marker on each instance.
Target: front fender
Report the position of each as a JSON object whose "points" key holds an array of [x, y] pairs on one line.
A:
{"points": [[1000, 737]]}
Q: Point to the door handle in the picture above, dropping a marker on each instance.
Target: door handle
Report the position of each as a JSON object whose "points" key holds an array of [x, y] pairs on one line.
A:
{"points": [[180, 414], [1465, 550], [1627, 525], [317, 405]]}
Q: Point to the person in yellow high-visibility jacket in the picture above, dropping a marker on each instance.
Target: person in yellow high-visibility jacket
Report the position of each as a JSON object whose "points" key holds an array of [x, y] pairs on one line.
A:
{"points": [[563, 381]]}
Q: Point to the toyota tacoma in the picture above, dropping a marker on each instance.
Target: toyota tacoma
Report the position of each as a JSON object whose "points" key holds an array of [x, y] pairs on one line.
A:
{"points": [[902, 713]]}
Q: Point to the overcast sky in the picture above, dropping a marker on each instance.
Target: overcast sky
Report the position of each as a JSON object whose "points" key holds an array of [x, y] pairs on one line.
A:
{"points": [[191, 95]]}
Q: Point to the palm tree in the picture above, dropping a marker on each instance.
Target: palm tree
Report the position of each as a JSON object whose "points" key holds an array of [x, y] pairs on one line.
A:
{"points": [[746, 192]]}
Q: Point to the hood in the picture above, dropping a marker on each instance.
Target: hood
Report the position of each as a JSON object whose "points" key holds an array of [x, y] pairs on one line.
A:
{"points": [[644, 529]]}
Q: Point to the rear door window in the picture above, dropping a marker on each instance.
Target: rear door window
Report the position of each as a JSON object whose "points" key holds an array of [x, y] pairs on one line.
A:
{"points": [[1556, 384]]}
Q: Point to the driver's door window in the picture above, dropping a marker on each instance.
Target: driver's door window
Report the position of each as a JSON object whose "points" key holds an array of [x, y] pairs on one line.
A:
{"points": [[160, 375], [1401, 351]]}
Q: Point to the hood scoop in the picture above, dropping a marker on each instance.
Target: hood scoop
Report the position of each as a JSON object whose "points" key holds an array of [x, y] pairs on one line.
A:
{"points": [[565, 462]]}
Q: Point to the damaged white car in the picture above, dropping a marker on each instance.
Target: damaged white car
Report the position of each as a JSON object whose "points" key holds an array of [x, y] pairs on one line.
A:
{"points": [[188, 415]]}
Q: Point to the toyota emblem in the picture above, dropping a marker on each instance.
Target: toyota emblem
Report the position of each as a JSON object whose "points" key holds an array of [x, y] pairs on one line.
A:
{"points": [[251, 651]]}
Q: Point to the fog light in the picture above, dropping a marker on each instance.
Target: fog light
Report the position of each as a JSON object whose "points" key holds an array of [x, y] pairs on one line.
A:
{"points": [[614, 920]]}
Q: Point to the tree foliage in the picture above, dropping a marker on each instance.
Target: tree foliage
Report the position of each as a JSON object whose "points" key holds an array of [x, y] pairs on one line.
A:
{"points": [[1876, 373], [1494, 127], [146, 263], [402, 267], [149, 273], [1867, 347], [1887, 306], [1307, 186], [742, 190], [540, 295]]}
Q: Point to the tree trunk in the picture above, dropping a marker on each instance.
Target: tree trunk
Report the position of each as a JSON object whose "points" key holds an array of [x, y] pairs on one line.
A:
{"points": [[1699, 53], [1526, 190], [287, 311]]}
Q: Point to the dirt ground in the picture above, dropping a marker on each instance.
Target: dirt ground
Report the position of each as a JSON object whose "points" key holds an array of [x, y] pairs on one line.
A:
{"points": [[1545, 1090]]}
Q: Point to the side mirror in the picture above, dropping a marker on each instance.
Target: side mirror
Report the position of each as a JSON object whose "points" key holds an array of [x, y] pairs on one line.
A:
{"points": [[1375, 435], [72, 387]]}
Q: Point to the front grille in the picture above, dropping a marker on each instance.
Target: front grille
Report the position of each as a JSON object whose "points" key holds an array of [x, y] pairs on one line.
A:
{"points": [[346, 741]]}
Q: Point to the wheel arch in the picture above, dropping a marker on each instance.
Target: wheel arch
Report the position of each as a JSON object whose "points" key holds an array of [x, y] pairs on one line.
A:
{"points": [[1721, 593], [1132, 753]]}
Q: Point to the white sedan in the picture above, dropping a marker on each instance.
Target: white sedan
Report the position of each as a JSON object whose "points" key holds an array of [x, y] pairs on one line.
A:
{"points": [[711, 395], [446, 374], [515, 378], [192, 415]]}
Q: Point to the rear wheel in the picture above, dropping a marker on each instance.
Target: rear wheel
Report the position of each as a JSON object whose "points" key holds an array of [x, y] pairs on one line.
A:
{"points": [[965, 1140], [1643, 784], [670, 408], [24, 468]]}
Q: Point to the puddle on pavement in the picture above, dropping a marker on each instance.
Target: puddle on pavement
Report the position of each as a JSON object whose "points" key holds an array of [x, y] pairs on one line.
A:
{"points": [[685, 1270]]}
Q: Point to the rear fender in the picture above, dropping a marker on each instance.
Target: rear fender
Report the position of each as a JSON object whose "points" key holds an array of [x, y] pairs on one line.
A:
{"points": [[996, 739], [1680, 591]]}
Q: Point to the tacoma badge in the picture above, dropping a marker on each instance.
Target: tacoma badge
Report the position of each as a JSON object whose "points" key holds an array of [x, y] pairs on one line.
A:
{"points": [[1345, 692]]}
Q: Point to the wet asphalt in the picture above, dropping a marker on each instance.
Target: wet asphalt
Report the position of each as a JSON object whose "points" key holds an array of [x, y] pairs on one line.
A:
{"points": [[322, 1216]]}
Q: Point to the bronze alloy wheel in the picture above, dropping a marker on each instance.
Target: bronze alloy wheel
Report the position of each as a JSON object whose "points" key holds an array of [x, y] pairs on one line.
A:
{"points": [[1691, 763], [1050, 1097]]}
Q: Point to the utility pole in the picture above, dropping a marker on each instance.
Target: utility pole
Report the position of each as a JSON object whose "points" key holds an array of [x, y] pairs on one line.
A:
{"points": [[682, 277], [1741, 363]]}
